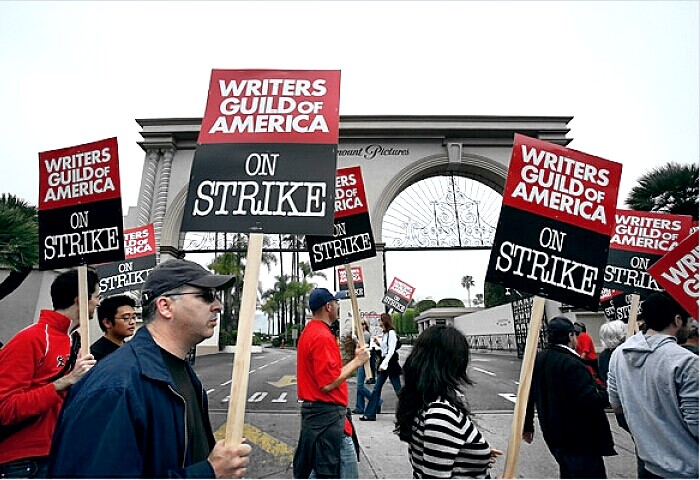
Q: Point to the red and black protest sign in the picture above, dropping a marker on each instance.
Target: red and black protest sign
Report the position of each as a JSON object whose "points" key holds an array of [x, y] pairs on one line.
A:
{"points": [[555, 225], [616, 304], [357, 280], [638, 241], [80, 209], [352, 238], [139, 259], [677, 272], [266, 155], [399, 295]]}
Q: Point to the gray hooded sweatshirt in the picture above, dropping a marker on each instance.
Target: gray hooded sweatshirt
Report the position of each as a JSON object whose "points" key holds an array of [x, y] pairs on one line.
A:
{"points": [[656, 382]]}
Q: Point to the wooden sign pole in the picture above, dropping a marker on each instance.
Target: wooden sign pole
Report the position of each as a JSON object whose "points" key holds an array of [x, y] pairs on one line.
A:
{"points": [[632, 327], [356, 316], [83, 300], [516, 429], [244, 340]]}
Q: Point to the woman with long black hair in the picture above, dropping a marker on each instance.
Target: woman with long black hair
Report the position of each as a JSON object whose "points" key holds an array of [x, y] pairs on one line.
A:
{"points": [[433, 415], [389, 368]]}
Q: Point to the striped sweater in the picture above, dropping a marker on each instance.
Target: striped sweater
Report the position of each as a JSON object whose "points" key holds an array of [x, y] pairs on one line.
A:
{"points": [[446, 444]]}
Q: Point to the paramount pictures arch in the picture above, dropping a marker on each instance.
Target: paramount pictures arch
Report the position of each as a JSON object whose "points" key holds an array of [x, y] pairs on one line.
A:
{"points": [[394, 153]]}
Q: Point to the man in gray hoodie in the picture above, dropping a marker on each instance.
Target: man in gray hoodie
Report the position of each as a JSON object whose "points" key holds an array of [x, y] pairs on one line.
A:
{"points": [[654, 382]]}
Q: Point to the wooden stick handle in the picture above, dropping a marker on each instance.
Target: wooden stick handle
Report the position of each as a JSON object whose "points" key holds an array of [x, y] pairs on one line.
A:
{"points": [[244, 340], [516, 430], [83, 300], [356, 315], [632, 321]]}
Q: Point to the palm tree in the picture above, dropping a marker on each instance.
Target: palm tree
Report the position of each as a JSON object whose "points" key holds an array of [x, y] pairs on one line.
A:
{"points": [[19, 241], [233, 263], [468, 283], [670, 188]]}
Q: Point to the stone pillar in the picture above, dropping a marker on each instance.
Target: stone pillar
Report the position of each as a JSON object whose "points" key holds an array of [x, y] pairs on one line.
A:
{"points": [[162, 196], [148, 186]]}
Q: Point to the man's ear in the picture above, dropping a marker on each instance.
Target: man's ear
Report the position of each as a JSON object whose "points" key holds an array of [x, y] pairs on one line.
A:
{"points": [[107, 324], [164, 307]]}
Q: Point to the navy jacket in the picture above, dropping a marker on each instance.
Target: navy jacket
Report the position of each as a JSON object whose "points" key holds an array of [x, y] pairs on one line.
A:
{"points": [[124, 419], [570, 406]]}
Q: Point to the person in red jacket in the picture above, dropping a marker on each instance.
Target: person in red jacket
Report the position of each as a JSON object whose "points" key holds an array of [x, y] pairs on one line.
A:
{"points": [[36, 371]]}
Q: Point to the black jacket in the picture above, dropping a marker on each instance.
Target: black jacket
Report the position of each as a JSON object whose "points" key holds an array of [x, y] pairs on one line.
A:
{"points": [[570, 405]]}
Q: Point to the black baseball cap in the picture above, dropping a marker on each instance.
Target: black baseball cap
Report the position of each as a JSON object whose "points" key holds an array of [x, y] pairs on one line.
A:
{"points": [[173, 274]]}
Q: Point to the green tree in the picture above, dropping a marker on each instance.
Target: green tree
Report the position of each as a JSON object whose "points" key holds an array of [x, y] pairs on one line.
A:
{"points": [[494, 295], [19, 241], [407, 321], [479, 300], [468, 283], [424, 305], [450, 302], [670, 188]]}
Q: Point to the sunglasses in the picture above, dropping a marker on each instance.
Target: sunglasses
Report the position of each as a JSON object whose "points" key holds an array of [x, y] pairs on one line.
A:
{"points": [[209, 295]]}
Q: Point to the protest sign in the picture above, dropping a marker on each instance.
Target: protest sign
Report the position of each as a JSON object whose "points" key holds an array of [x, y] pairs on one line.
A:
{"points": [[638, 241], [616, 304], [357, 280], [139, 260], [265, 163], [80, 210], [267, 152], [352, 238], [555, 225], [399, 295], [677, 272]]}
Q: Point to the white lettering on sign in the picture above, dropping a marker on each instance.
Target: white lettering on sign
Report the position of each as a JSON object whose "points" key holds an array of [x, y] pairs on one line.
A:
{"points": [[402, 289], [341, 247], [124, 280], [630, 277], [81, 243], [685, 272], [78, 175]]}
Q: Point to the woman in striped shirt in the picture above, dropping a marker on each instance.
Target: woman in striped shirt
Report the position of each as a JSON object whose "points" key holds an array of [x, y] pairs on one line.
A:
{"points": [[433, 415]]}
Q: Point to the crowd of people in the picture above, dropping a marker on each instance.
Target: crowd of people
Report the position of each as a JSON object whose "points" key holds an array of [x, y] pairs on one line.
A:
{"points": [[151, 410]]}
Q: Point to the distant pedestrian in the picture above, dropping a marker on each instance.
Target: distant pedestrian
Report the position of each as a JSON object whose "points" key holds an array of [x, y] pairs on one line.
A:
{"points": [[612, 335], [117, 319], [326, 448], [433, 414], [570, 406], [654, 382], [586, 349], [37, 367], [142, 412], [388, 369], [363, 392]]}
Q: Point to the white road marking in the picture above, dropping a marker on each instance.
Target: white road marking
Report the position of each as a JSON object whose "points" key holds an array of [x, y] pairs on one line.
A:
{"points": [[210, 390], [226, 383], [484, 371], [509, 396], [257, 397], [281, 399]]}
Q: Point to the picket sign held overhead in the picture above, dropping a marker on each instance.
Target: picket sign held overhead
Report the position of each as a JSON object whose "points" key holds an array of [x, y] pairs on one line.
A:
{"points": [[265, 162], [552, 240], [678, 272], [399, 295], [139, 259], [356, 318]]}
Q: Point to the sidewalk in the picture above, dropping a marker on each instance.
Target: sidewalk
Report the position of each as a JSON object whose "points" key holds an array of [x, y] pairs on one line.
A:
{"points": [[383, 455]]}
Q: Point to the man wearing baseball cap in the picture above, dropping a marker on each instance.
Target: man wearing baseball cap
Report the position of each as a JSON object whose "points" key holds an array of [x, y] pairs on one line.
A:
{"points": [[142, 412], [325, 445], [570, 406]]}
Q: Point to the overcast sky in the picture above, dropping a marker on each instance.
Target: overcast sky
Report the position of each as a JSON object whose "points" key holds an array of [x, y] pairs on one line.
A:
{"points": [[627, 72]]}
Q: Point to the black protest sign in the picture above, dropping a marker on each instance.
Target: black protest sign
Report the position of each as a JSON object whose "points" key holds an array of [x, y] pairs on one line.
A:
{"points": [[266, 154], [130, 273], [639, 240], [80, 210], [399, 295], [557, 217], [352, 238], [617, 305], [357, 280]]}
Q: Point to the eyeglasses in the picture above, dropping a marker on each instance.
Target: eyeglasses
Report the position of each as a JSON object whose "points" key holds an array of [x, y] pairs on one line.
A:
{"points": [[127, 318], [208, 295]]}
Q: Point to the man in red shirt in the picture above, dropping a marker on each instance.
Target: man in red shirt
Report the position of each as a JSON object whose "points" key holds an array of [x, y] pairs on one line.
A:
{"points": [[325, 442], [35, 375], [586, 349]]}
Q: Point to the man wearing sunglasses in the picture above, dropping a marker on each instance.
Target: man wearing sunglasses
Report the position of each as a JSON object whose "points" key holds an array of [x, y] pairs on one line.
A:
{"points": [[117, 319], [146, 398]]}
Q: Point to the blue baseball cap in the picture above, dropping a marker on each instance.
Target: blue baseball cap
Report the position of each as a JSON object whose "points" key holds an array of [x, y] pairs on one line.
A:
{"points": [[321, 296]]}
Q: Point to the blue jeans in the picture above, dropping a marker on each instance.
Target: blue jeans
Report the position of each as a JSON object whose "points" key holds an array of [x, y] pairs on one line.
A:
{"points": [[376, 397], [572, 465], [348, 460], [362, 391]]}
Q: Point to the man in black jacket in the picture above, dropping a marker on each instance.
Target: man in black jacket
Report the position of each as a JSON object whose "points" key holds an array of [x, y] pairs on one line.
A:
{"points": [[570, 406]]}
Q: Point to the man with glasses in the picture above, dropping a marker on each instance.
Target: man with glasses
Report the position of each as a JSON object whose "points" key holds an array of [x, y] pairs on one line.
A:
{"points": [[37, 367], [117, 318], [146, 398]]}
